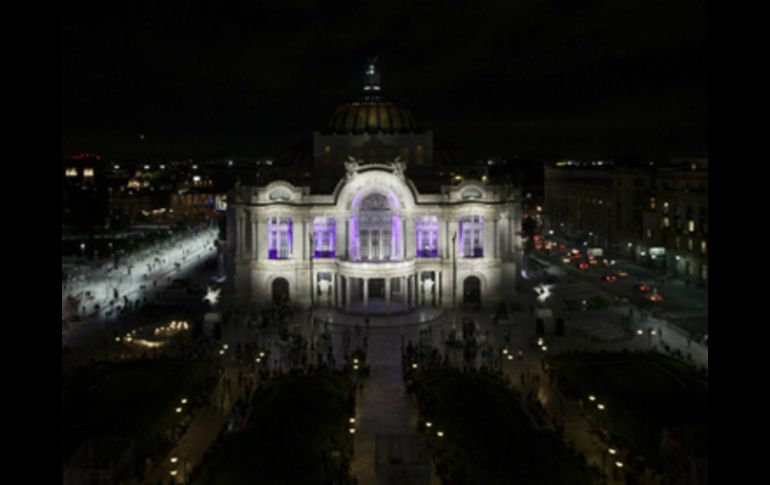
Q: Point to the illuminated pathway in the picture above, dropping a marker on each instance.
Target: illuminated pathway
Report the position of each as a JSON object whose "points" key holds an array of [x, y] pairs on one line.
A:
{"points": [[135, 280]]}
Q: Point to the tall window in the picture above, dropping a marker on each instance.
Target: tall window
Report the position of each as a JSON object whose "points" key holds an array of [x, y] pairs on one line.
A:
{"points": [[324, 237], [471, 236], [426, 232], [279, 237], [377, 229]]}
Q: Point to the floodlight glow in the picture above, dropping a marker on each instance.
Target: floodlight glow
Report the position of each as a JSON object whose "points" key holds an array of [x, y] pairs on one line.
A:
{"points": [[612, 451], [592, 398], [212, 295], [543, 292]]}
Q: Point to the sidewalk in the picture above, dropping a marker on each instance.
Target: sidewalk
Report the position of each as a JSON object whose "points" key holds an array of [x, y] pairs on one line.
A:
{"points": [[202, 432]]}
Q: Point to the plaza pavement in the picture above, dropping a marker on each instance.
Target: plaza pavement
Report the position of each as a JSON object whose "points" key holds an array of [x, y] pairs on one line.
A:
{"points": [[187, 253], [384, 407]]}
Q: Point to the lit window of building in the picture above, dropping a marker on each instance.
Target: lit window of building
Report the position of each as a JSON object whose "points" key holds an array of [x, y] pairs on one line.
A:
{"points": [[665, 207], [324, 237], [666, 222], [691, 225], [649, 233], [652, 203], [71, 172], [280, 237], [703, 247], [88, 172], [471, 233], [689, 244], [427, 236]]}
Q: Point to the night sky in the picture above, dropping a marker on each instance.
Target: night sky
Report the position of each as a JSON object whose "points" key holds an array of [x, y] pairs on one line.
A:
{"points": [[246, 79]]}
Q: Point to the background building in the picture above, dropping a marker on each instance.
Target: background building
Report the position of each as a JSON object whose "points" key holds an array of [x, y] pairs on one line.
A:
{"points": [[655, 213]]}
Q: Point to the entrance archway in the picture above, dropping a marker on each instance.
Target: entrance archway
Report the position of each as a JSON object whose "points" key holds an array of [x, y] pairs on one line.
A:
{"points": [[472, 290], [280, 290]]}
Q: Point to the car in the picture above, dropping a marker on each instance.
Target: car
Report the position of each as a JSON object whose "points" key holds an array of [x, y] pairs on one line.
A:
{"points": [[643, 287], [593, 261], [567, 260], [622, 274], [582, 266], [609, 278], [656, 298]]}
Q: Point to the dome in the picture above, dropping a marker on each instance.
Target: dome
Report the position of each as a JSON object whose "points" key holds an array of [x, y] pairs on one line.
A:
{"points": [[372, 113]]}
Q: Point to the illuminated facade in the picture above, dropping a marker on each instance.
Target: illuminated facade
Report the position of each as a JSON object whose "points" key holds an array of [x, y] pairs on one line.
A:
{"points": [[375, 242]]}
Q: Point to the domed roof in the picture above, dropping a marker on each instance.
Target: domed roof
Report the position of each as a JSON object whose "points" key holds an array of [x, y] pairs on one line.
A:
{"points": [[372, 112]]}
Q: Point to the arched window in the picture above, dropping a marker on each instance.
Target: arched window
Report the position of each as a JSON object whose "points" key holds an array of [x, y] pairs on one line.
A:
{"points": [[280, 290], [376, 230]]}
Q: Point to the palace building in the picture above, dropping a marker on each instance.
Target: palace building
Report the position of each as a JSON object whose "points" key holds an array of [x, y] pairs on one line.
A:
{"points": [[374, 221]]}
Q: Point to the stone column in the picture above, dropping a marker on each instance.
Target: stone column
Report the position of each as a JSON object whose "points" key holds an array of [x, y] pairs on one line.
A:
{"points": [[254, 235], [442, 243], [409, 236], [366, 294], [387, 293], [296, 235], [348, 288], [263, 236], [340, 237], [495, 239], [240, 230], [487, 238], [334, 290]]}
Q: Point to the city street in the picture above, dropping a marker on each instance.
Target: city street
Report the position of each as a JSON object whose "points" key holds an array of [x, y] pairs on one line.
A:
{"points": [[683, 304]]}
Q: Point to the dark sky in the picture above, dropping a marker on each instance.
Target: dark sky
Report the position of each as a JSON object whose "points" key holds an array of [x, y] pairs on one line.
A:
{"points": [[221, 79]]}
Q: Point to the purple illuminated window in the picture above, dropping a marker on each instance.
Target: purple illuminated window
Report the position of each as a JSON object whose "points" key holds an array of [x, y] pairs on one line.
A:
{"points": [[426, 233], [279, 238], [324, 237], [471, 237]]}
